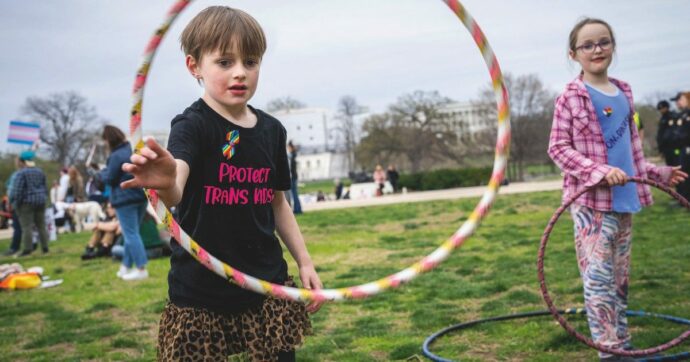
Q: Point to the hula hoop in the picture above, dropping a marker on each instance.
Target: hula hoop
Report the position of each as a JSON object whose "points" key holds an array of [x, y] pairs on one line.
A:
{"points": [[571, 311], [549, 301], [364, 290]]}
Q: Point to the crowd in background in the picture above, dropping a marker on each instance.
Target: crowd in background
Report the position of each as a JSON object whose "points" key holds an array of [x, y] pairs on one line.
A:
{"points": [[37, 213], [112, 214]]}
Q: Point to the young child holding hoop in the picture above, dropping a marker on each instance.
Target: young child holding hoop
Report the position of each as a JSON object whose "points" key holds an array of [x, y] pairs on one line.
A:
{"points": [[593, 139], [226, 170]]}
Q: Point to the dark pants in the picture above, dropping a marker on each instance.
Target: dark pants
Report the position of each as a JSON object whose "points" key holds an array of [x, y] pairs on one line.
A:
{"points": [[30, 216], [296, 205], [684, 187], [17, 232]]}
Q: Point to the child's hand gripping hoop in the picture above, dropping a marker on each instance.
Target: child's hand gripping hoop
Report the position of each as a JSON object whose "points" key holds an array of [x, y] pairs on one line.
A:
{"points": [[360, 291], [549, 302]]}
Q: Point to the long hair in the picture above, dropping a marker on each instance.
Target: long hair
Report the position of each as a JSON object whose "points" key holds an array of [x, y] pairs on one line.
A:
{"points": [[113, 136]]}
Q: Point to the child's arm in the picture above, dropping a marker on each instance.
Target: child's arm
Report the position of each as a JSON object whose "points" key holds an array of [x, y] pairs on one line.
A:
{"points": [[665, 174], [566, 157], [155, 168], [289, 232]]}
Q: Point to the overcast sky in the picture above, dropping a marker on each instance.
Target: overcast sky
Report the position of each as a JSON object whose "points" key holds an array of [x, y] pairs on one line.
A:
{"points": [[319, 51]]}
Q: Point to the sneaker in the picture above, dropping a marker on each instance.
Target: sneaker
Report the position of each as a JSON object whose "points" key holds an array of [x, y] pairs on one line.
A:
{"points": [[9, 252], [89, 253], [123, 270], [45, 250], [136, 274], [23, 253]]}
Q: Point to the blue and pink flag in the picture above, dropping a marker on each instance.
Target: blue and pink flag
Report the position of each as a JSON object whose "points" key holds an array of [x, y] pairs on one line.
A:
{"points": [[25, 133]]}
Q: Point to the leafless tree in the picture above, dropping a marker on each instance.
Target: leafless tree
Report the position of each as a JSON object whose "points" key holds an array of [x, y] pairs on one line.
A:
{"points": [[68, 124], [284, 104], [414, 127], [348, 108], [531, 114]]}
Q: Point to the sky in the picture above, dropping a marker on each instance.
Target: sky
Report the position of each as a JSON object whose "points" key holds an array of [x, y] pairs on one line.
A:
{"points": [[319, 51]]}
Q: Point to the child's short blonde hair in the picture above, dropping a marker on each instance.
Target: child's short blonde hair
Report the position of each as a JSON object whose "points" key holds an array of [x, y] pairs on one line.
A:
{"points": [[220, 27]]}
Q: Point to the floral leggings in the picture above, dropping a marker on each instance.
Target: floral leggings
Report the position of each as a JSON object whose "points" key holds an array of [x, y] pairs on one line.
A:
{"points": [[603, 242]]}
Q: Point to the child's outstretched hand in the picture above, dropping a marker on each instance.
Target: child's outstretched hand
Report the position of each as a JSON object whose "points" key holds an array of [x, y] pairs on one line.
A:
{"points": [[153, 168], [310, 280], [677, 176], [616, 177]]}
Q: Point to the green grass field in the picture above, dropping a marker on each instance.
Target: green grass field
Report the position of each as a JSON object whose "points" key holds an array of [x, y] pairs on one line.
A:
{"points": [[94, 316]]}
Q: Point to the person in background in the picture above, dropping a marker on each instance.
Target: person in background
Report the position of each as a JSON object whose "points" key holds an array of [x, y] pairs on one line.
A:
{"points": [[130, 205], [76, 184], [682, 138], [16, 225], [29, 192], [338, 188], [95, 185], [393, 176], [63, 185], [292, 156], [103, 235], [6, 210], [664, 135], [379, 179]]}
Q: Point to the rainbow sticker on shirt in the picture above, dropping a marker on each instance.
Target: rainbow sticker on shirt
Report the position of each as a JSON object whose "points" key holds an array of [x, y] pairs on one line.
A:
{"points": [[608, 111], [233, 138]]}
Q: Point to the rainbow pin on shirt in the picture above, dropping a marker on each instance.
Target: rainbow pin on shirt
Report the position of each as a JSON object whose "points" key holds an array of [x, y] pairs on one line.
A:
{"points": [[233, 138], [608, 111]]}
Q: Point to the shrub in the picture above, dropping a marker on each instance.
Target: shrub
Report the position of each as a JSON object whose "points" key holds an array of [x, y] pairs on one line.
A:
{"points": [[445, 178]]}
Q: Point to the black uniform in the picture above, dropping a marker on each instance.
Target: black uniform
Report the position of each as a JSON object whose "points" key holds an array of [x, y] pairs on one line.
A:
{"points": [[664, 138], [683, 135]]}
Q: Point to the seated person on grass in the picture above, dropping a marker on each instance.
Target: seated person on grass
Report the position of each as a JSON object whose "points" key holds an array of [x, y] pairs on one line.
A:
{"points": [[103, 236]]}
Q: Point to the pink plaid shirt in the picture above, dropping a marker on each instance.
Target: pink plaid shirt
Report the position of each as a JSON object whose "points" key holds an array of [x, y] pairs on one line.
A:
{"points": [[577, 146]]}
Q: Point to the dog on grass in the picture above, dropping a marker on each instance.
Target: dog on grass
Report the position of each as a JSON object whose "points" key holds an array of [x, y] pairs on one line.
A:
{"points": [[81, 212]]}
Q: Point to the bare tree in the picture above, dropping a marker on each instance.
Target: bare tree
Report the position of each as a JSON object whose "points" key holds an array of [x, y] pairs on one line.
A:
{"points": [[413, 127], [284, 104], [531, 113], [68, 124], [348, 108]]}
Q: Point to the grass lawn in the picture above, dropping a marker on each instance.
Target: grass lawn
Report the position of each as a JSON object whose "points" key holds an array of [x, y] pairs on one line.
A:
{"points": [[95, 316]]}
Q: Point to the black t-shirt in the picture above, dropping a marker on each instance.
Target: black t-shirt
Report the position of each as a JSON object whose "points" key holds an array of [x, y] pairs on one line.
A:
{"points": [[226, 206]]}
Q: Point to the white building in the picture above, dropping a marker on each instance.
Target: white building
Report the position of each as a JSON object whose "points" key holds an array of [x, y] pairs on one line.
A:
{"points": [[466, 119], [309, 128], [321, 152], [321, 165]]}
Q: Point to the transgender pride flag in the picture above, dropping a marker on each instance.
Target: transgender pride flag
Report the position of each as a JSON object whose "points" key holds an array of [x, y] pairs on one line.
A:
{"points": [[23, 132]]}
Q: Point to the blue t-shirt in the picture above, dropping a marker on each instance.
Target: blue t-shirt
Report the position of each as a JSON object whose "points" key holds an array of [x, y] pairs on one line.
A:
{"points": [[613, 113]]}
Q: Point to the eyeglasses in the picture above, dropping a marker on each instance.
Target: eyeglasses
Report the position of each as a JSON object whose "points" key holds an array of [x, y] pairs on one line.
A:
{"points": [[605, 44]]}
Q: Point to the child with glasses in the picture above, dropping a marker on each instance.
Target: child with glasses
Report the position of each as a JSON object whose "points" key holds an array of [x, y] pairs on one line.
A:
{"points": [[226, 169], [594, 140]]}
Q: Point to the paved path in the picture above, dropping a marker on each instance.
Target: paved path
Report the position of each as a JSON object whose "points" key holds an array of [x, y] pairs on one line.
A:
{"points": [[449, 194]]}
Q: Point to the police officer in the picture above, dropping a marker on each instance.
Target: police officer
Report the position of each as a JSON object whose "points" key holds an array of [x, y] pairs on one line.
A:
{"points": [[682, 138], [667, 123]]}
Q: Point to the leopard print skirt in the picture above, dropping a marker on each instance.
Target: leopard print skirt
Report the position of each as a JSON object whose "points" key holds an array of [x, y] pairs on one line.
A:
{"points": [[193, 334]]}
